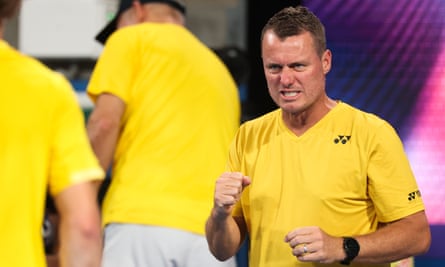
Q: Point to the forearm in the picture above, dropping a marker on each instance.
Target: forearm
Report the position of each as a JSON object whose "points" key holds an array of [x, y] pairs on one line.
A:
{"points": [[397, 240], [104, 127], [81, 246], [223, 236], [79, 231], [103, 137], [405, 238]]}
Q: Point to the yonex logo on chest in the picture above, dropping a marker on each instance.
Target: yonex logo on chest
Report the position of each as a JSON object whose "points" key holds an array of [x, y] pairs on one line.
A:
{"points": [[342, 139]]}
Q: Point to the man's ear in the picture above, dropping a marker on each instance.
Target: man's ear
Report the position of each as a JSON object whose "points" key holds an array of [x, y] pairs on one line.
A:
{"points": [[139, 11], [326, 61]]}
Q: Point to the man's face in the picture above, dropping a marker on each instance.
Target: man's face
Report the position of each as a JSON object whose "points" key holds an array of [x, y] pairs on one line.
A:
{"points": [[294, 71]]}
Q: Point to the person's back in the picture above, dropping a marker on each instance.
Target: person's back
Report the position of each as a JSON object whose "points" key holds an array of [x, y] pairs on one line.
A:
{"points": [[43, 146], [181, 113], [181, 110]]}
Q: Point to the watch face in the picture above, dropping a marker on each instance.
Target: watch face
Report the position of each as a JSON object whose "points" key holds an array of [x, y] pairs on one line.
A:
{"points": [[352, 244], [351, 247]]}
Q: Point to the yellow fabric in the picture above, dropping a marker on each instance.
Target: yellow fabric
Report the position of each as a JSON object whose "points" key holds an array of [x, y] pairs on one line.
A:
{"points": [[180, 118], [409, 262], [318, 180], [43, 142]]}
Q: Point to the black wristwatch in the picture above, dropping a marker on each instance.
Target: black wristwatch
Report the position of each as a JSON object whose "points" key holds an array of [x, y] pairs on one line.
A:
{"points": [[351, 248]]}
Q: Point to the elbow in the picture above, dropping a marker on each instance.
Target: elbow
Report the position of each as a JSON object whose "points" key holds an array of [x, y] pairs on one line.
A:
{"points": [[99, 127], [86, 227], [107, 124], [220, 255], [221, 249], [222, 258], [422, 240], [425, 243], [223, 238], [420, 233], [217, 251], [89, 231]]}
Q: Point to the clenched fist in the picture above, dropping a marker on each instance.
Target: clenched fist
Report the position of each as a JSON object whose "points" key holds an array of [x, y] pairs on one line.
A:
{"points": [[228, 189]]}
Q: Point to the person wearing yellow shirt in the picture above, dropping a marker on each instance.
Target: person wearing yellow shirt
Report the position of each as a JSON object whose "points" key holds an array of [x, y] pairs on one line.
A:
{"points": [[315, 182], [44, 148], [166, 110]]}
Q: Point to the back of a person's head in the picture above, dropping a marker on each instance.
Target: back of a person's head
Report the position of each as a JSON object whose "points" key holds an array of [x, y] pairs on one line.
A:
{"points": [[8, 8], [172, 11], [159, 10], [292, 21], [162, 12]]}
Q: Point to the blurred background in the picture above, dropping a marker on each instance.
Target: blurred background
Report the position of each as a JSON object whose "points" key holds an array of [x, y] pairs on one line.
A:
{"points": [[388, 59]]}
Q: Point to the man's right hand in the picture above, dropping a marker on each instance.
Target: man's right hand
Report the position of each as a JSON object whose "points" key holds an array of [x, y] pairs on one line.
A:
{"points": [[228, 189]]}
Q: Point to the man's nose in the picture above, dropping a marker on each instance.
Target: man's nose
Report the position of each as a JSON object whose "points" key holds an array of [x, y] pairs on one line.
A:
{"points": [[287, 77]]}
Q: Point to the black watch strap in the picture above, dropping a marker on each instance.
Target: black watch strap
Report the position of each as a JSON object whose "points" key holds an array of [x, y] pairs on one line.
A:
{"points": [[351, 248]]}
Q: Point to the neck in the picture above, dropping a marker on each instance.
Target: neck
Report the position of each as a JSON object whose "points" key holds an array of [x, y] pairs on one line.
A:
{"points": [[299, 123], [162, 13]]}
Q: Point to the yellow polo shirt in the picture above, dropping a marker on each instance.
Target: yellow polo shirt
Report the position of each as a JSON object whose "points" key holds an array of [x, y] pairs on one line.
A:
{"points": [[345, 174], [43, 144]]}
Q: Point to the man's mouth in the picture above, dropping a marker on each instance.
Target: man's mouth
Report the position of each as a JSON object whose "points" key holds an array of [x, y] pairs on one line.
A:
{"points": [[289, 93]]}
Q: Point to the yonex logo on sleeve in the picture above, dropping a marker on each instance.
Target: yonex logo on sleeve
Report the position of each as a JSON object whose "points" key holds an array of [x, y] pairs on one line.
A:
{"points": [[413, 195]]}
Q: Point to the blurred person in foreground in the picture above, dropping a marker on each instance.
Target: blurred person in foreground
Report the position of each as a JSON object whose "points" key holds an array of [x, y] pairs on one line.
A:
{"points": [[44, 146], [316, 182], [166, 109]]}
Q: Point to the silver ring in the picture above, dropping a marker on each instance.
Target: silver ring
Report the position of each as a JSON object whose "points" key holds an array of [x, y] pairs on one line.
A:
{"points": [[304, 249]]}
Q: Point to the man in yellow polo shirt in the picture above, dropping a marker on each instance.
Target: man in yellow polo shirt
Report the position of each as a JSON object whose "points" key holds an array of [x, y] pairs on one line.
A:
{"points": [[316, 182], [43, 145]]}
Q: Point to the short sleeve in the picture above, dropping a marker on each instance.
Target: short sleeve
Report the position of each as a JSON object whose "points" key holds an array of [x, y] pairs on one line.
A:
{"points": [[114, 70], [392, 185], [72, 158]]}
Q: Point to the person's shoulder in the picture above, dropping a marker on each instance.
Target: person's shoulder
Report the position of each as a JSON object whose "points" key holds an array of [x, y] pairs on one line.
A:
{"points": [[32, 64], [360, 115], [146, 33], [38, 74], [261, 123], [49, 82], [259, 129], [128, 34], [261, 119], [149, 29], [365, 121]]}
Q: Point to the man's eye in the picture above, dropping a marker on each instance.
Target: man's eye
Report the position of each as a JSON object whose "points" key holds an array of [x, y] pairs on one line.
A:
{"points": [[274, 68], [298, 66]]}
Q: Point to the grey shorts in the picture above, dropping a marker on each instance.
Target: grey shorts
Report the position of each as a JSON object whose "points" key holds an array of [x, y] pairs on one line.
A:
{"points": [[132, 245]]}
